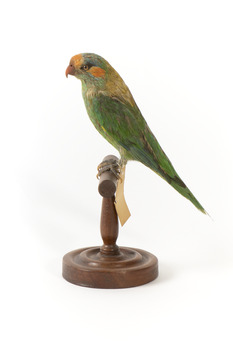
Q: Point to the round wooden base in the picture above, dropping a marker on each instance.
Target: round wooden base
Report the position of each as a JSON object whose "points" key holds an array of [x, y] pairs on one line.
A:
{"points": [[90, 267]]}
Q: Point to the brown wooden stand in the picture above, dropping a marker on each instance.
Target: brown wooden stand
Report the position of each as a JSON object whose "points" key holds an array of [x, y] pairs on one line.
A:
{"points": [[109, 266]]}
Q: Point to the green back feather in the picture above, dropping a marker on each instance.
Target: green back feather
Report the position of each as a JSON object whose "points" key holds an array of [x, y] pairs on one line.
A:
{"points": [[123, 125]]}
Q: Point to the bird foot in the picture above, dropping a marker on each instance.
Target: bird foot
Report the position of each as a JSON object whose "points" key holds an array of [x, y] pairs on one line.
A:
{"points": [[109, 165]]}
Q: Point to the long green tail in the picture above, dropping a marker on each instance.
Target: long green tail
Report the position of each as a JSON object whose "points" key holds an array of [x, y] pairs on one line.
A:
{"points": [[180, 187], [152, 155]]}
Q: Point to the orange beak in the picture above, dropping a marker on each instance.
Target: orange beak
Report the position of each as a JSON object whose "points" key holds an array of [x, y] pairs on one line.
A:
{"points": [[70, 70]]}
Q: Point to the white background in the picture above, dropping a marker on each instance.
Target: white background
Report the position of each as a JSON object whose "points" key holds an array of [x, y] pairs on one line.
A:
{"points": [[176, 57]]}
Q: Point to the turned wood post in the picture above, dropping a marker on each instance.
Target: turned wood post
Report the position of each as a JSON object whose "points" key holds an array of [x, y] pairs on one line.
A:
{"points": [[109, 220]]}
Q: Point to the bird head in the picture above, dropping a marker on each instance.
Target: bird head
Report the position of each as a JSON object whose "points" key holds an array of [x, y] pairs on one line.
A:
{"points": [[96, 73], [88, 67]]}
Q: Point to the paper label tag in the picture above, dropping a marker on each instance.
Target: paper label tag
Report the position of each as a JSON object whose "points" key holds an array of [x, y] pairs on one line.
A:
{"points": [[120, 203]]}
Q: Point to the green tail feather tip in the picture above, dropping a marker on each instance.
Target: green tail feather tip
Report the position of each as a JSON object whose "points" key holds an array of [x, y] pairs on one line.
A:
{"points": [[184, 191]]}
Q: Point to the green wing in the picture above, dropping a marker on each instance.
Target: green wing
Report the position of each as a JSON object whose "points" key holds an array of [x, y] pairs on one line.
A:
{"points": [[125, 128]]}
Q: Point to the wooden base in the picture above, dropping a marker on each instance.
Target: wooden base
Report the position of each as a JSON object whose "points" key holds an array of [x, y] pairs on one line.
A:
{"points": [[108, 266], [93, 267]]}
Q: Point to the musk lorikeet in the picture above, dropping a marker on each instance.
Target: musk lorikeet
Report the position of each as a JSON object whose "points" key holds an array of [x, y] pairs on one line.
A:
{"points": [[113, 111]]}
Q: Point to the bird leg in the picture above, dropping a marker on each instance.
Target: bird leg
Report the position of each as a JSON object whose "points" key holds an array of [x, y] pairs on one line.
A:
{"points": [[122, 164], [109, 165]]}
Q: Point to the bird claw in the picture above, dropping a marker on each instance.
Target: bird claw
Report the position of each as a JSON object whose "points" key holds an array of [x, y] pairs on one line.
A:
{"points": [[109, 165]]}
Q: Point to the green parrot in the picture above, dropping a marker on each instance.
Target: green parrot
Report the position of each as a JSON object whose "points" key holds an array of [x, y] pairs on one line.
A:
{"points": [[114, 113]]}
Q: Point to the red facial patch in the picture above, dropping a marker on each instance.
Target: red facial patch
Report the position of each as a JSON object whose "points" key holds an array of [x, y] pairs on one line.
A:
{"points": [[77, 60], [97, 72]]}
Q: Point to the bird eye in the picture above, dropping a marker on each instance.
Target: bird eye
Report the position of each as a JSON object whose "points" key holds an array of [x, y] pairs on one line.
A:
{"points": [[85, 67]]}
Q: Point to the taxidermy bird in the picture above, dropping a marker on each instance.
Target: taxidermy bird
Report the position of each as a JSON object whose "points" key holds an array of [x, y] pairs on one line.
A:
{"points": [[113, 111]]}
